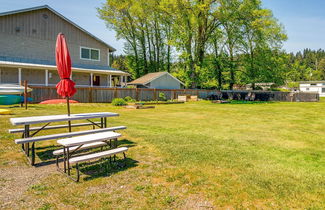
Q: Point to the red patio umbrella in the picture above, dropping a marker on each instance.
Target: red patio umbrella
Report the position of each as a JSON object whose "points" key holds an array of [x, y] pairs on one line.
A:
{"points": [[65, 87]]}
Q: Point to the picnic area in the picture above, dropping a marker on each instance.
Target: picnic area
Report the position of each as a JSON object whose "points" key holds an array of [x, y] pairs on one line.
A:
{"points": [[197, 155]]}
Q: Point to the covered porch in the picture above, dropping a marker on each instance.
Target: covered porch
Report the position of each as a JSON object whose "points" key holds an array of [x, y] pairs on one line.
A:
{"points": [[46, 75]]}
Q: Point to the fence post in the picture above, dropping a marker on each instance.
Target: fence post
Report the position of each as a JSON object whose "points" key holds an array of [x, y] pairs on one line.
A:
{"points": [[115, 93], [22, 103], [136, 94], [90, 99], [154, 94]]}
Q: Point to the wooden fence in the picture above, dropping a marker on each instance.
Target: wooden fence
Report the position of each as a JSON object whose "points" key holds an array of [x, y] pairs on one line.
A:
{"points": [[106, 95]]}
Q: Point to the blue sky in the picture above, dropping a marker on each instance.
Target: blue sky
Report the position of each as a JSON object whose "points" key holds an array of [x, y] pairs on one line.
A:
{"points": [[304, 20]]}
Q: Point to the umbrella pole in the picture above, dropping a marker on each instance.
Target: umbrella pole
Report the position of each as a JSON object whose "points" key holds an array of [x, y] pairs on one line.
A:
{"points": [[68, 105]]}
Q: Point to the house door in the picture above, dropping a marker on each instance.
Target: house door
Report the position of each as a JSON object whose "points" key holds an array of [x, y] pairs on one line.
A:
{"points": [[96, 80]]}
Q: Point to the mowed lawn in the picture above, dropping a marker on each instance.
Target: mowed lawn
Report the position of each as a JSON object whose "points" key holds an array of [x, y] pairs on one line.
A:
{"points": [[196, 155]]}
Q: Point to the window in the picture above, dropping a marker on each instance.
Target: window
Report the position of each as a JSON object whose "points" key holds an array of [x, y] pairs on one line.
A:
{"points": [[323, 90], [313, 84], [89, 53], [307, 89]]}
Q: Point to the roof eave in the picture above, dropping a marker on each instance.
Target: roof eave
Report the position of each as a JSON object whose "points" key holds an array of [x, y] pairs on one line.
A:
{"points": [[52, 67]]}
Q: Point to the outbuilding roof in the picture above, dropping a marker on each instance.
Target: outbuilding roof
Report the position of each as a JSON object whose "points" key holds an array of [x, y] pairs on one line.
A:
{"points": [[150, 77], [112, 49]]}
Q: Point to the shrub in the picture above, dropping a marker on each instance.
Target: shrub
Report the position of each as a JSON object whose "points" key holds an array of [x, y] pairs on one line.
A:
{"points": [[162, 97], [293, 85], [119, 102], [129, 99]]}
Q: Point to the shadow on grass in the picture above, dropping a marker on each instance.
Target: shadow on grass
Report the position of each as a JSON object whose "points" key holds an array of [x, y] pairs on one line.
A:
{"points": [[251, 102], [126, 143], [105, 168], [45, 153]]}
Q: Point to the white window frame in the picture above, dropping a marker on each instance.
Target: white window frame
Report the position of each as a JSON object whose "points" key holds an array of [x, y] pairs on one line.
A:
{"points": [[89, 48]]}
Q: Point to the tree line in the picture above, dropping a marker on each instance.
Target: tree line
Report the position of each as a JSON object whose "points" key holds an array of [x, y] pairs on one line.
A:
{"points": [[205, 43], [306, 65]]}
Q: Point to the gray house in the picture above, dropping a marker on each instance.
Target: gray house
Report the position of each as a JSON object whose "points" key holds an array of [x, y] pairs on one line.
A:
{"points": [[158, 80], [27, 50]]}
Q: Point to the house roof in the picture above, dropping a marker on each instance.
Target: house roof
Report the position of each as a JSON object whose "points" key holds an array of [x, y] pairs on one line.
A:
{"points": [[60, 15], [150, 77]]}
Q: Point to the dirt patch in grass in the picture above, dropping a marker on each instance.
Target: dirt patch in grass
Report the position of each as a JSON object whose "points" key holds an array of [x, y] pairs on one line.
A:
{"points": [[197, 202], [16, 181]]}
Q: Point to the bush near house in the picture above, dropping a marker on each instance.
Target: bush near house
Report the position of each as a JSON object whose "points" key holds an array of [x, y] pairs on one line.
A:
{"points": [[129, 99], [119, 102], [162, 97]]}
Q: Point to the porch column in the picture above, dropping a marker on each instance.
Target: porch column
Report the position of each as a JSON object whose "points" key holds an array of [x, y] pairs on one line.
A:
{"points": [[121, 81], [91, 79], [46, 77], [125, 80], [19, 76], [0, 76], [110, 81]]}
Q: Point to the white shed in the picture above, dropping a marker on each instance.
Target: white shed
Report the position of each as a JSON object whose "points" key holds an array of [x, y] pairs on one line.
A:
{"points": [[158, 80], [313, 87]]}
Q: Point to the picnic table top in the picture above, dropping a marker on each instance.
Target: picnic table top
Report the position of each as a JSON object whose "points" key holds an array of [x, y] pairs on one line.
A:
{"points": [[58, 118], [87, 139]]}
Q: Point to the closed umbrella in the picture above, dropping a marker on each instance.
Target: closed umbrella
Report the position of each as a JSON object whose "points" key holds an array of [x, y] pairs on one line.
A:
{"points": [[65, 87]]}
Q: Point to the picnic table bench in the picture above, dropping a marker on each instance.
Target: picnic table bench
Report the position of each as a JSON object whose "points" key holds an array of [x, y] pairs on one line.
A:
{"points": [[29, 137]]}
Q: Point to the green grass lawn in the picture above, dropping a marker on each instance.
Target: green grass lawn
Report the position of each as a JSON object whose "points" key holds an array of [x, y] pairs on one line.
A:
{"points": [[194, 155]]}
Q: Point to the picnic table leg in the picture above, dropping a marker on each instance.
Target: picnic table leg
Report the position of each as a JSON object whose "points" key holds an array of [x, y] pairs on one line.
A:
{"points": [[23, 145], [26, 135], [105, 122], [68, 164], [102, 122], [26, 147], [33, 154], [64, 160]]}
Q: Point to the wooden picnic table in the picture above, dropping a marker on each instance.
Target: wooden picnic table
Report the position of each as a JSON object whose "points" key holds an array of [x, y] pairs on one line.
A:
{"points": [[46, 120]]}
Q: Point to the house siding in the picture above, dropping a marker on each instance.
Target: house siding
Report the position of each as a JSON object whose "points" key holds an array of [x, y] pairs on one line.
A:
{"points": [[37, 36], [33, 76], [53, 78], [8, 75], [165, 82]]}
